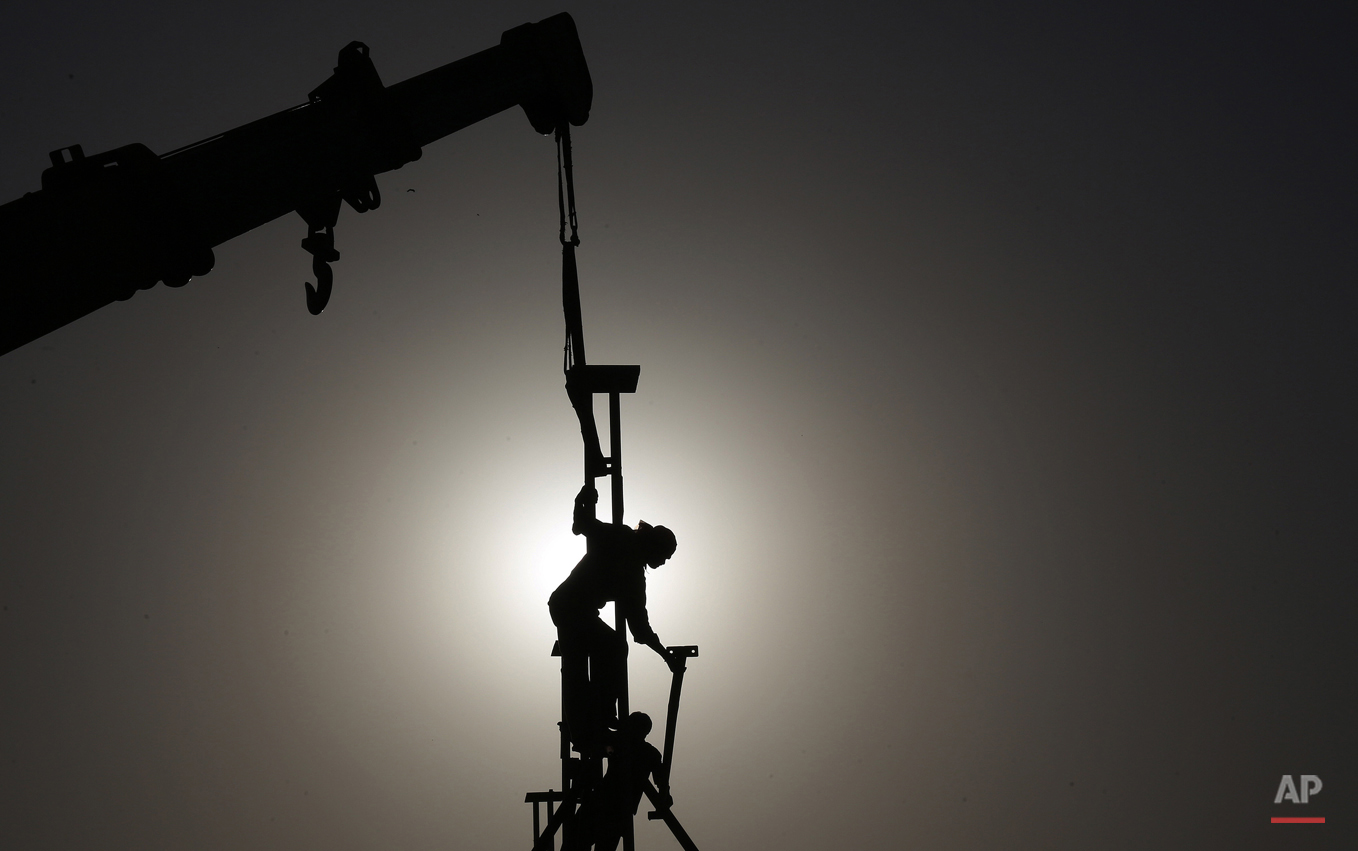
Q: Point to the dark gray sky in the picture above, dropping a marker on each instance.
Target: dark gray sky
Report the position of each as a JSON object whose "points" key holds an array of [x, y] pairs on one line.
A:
{"points": [[995, 366]]}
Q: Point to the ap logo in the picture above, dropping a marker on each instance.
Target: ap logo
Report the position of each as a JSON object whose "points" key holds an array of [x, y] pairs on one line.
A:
{"points": [[1287, 790], [1310, 786]]}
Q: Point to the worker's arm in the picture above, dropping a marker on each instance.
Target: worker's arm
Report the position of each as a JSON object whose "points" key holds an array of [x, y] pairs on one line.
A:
{"points": [[656, 765], [639, 621]]}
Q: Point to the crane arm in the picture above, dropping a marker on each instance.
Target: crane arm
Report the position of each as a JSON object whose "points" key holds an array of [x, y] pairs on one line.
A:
{"points": [[106, 225]]}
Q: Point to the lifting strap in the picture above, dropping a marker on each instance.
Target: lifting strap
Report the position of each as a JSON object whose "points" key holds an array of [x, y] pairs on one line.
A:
{"points": [[573, 356], [570, 279]]}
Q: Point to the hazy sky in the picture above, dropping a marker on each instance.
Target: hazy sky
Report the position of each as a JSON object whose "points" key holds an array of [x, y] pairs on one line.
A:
{"points": [[997, 377]]}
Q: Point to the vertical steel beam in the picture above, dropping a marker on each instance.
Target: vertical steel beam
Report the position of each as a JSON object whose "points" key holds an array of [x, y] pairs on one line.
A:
{"points": [[615, 451], [615, 468]]}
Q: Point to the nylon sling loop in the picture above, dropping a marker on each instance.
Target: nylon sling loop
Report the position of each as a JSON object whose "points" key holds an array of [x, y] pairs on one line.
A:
{"points": [[574, 354], [570, 279]]}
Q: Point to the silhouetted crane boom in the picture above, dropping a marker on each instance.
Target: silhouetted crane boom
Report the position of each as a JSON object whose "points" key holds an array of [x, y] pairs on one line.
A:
{"points": [[104, 226]]}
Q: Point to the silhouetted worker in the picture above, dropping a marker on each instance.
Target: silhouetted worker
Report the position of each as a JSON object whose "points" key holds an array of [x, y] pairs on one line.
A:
{"points": [[592, 653], [606, 810]]}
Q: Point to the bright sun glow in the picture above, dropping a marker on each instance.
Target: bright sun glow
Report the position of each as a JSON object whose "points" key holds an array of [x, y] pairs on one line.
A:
{"points": [[549, 559]]}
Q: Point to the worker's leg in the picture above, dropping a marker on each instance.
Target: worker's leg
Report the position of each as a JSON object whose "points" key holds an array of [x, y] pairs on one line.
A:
{"points": [[583, 826], [607, 661], [608, 836], [582, 721]]}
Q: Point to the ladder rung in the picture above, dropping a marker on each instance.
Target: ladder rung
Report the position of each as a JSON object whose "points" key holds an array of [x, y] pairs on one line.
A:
{"points": [[544, 797]]}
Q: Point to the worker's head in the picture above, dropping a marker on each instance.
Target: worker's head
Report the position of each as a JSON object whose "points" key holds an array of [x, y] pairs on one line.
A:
{"points": [[657, 542], [639, 725]]}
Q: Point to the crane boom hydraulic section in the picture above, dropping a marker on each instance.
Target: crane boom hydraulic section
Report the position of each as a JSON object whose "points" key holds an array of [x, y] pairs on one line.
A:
{"points": [[104, 226]]}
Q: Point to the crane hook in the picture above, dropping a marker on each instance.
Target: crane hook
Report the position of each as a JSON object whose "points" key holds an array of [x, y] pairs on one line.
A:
{"points": [[320, 244]]}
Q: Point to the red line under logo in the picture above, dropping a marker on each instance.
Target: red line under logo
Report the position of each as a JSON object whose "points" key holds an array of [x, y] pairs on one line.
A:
{"points": [[1297, 820]]}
